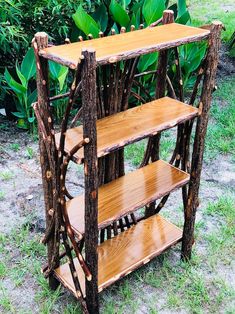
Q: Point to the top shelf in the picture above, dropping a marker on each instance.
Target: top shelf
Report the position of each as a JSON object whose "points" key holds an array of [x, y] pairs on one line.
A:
{"points": [[128, 45]]}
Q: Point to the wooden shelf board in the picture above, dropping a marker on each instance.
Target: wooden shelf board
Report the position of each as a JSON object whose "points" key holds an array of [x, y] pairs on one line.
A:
{"points": [[129, 126], [126, 252], [128, 45], [128, 193]]}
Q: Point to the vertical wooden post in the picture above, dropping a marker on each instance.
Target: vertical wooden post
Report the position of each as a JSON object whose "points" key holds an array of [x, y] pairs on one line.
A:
{"points": [[48, 174], [199, 140], [168, 17], [154, 142], [91, 177]]}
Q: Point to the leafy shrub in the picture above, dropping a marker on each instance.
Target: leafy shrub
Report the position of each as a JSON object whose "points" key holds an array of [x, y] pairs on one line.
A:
{"points": [[21, 19], [58, 83], [25, 96], [12, 36], [24, 90], [71, 18], [108, 14]]}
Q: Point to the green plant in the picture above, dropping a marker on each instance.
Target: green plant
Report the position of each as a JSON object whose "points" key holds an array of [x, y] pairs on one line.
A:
{"points": [[221, 131], [51, 16], [2, 195], [115, 14], [15, 147], [29, 152], [22, 90], [6, 175], [191, 56], [25, 93], [58, 78], [12, 36]]}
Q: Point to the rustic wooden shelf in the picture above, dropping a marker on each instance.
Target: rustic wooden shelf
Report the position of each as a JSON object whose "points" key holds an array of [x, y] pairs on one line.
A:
{"points": [[124, 46], [110, 249], [128, 193], [126, 127], [119, 256]]}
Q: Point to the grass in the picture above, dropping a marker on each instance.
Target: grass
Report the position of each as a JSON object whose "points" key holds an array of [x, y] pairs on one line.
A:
{"points": [[3, 269], [5, 301], [2, 195], [134, 153], [203, 11], [15, 147], [221, 128], [6, 175], [221, 239], [30, 152]]}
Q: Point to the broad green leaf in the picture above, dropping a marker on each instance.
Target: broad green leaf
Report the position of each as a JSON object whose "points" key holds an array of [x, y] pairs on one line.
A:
{"points": [[21, 76], [32, 98], [62, 76], [152, 10], [16, 87], [137, 17], [119, 14], [101, 17], [125, 3], [181, 7], [28, 66], [137, 6], [146, 61], [58, 72], [54, 69], [31, 119], [167, 3], [85, 22], [183, 19], [194, 61], [21, 115]]}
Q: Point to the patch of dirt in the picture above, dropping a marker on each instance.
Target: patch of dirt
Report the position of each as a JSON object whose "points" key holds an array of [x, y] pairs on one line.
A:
{"points": [[226, 64]]}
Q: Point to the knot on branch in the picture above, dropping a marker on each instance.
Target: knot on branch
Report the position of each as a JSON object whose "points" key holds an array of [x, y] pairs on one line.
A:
{"points": [[51, 212], [94, 194], [48, 174]]}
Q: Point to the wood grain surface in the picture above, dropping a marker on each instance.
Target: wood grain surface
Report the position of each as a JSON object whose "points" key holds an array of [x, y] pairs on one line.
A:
{"points": [[129, 250], [128, 193], [129, 45], [126, 127]]}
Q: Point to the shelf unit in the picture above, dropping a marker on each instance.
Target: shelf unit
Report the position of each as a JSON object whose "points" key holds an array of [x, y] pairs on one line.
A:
{"points": [[101, 226]]}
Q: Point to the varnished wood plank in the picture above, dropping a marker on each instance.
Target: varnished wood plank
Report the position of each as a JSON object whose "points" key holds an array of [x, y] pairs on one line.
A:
{"points": [[126, 252], [129, 45], [128, 193], [126, 127]]}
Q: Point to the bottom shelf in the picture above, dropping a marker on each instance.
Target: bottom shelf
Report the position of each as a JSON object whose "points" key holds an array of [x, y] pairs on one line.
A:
{"points": [[126, 252]]}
